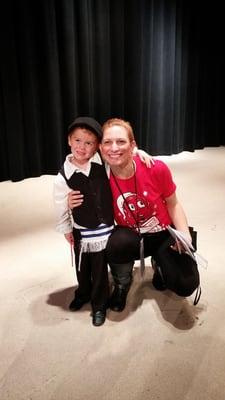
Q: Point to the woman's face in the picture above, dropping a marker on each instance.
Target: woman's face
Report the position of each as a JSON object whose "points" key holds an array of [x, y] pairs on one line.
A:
{"points": [[116, 147]]}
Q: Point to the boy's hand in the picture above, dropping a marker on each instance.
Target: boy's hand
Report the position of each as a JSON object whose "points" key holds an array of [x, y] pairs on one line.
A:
{"points": [[69, 237], [75, 199]]}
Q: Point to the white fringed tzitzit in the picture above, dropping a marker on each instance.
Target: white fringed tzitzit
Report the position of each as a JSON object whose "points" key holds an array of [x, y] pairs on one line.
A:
{"points": [[94, 240]]}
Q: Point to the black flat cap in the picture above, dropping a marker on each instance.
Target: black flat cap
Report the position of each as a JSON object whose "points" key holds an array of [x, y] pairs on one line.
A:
{"points": [[89, 123]]}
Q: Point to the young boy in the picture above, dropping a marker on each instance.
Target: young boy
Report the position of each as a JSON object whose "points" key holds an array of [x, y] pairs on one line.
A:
{"points": [[90, 224]]}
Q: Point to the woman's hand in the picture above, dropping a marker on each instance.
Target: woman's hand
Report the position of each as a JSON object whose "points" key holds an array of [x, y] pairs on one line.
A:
{"points": [[179, 246], [145, 157], [75, 199]]}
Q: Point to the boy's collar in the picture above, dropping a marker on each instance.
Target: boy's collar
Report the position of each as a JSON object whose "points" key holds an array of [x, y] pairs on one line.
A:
{"points": [[70, 168]]}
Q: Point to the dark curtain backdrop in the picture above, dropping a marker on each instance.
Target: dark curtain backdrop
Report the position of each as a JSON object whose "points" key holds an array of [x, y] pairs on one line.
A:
{"points": [[157, 63]]}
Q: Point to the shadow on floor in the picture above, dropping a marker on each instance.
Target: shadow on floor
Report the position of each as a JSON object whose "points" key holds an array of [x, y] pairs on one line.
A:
{"points": [[63, 297], [178, 311]]}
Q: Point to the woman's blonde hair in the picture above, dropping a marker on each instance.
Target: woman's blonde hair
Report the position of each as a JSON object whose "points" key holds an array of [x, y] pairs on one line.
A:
{"points": [[120, 122]]}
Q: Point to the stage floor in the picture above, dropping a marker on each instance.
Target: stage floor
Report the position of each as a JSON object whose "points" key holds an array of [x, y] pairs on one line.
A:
{"points": [[160, 347]]}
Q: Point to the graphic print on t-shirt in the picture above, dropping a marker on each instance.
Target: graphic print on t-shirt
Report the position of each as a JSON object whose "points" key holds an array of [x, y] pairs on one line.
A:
{"points": [[135, 211]]}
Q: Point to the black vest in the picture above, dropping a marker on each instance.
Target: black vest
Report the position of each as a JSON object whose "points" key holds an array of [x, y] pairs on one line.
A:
{"points": [[97, 203]]}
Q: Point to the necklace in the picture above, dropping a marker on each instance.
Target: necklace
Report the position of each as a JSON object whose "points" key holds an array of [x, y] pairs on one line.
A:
{"points": [[135, 217]]}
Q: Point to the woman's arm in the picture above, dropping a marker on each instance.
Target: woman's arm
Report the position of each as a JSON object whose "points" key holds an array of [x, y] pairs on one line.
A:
{"points": [[177, 215]]}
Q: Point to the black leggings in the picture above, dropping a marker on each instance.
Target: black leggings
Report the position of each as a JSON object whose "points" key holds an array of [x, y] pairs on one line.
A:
{"points": [[179, 271]]}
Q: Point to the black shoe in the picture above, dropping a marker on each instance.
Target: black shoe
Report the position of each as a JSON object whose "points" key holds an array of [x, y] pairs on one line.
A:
{"points": [[118, 298], [77, 303], [98, 318]]}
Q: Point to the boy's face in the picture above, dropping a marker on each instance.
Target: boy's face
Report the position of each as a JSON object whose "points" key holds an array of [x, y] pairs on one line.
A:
{"points": [[83, 144]]}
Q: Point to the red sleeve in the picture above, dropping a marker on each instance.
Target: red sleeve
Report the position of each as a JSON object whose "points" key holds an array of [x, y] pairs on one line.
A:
{"points": [[165, 179]]}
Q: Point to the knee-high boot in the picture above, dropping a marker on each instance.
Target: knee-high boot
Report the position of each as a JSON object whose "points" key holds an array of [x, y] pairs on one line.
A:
{"points": [[122, 276]]}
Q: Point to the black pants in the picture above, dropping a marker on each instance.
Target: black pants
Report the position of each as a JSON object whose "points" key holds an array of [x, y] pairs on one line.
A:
{"points": [[179, 271], [92, 278]]}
